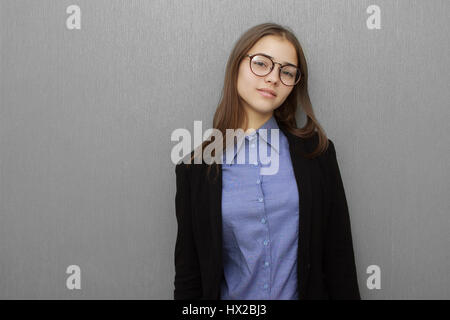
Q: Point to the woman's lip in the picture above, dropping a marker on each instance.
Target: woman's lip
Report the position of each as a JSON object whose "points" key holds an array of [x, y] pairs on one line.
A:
{"points": [[266, 94]]}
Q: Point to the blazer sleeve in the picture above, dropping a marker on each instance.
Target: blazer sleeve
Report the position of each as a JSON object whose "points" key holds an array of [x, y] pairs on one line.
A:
{"points": [[187, 269], [339, 261]]}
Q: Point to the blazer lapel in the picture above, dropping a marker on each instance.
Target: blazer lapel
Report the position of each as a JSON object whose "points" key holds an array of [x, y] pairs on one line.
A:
{"points": [[215, 204], [302, 171]]}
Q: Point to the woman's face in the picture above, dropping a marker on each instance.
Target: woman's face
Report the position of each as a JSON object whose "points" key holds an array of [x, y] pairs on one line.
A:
{"points": [[248, 83]]}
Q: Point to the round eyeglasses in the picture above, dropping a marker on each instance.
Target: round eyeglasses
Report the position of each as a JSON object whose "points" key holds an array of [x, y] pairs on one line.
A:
{"points": [[261, 65]]}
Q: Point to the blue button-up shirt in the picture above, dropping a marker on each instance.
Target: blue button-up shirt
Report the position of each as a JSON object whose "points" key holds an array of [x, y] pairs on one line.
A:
{"points": [[260, 219]]}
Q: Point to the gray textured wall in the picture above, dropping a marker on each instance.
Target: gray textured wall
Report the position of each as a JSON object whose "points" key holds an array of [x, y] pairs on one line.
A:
{"points": [[86, 117]]}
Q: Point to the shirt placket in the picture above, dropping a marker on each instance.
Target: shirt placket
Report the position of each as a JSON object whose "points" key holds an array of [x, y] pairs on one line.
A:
{"points": [[254, 141]]}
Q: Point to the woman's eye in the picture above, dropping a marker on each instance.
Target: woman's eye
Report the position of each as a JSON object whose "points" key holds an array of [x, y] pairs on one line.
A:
{"points": [[288, 74]]}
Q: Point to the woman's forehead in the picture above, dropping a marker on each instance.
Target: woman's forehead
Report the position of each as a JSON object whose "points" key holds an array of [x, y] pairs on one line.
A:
{"points": [[279, 49]]}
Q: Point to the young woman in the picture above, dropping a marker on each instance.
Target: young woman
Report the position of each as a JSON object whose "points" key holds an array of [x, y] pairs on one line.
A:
{"points": [[243, 234]]}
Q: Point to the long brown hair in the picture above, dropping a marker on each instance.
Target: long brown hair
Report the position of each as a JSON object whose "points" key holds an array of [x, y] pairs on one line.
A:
{"points": [[230, 114]]}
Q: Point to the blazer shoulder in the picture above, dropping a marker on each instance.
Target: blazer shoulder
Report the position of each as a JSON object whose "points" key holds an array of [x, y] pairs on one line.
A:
{"points": [[183, 172], [330, 151], [312, 142], [185, 165], [329, 154]]}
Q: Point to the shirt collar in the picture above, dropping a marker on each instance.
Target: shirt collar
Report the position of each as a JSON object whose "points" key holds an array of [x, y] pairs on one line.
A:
{"points": [[265, 136]]}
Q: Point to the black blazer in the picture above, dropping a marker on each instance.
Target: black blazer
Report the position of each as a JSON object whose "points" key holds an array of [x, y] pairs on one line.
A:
{"points": [[326, 265]]}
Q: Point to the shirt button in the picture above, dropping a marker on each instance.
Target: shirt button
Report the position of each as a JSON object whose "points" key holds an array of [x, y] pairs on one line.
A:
{"points": [[266, 263], [263, 220], [252, 145], [266, 286], [260, 199], [266, 242], [258, 181]]}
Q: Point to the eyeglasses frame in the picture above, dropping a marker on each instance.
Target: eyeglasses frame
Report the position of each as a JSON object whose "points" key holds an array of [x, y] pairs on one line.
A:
{"points": [[273, 66]]}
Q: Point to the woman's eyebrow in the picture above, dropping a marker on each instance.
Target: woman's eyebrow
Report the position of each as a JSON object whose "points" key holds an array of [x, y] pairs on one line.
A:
{"points": [[284, 62]]}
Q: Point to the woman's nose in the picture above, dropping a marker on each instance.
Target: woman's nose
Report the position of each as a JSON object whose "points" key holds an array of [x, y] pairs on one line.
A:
{"points": [[273, 75]]}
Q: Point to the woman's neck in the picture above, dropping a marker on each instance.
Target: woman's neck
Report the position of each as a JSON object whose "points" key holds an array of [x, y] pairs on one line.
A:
{"points": [[256, 120]]}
